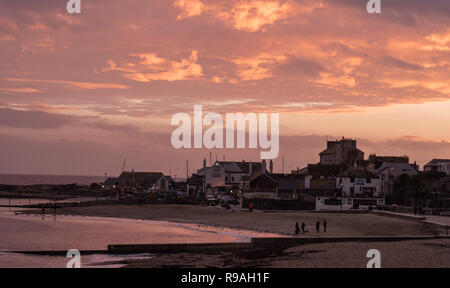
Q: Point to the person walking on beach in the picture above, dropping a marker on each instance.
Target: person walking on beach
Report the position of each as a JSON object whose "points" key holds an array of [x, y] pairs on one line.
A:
{"points": [[297, 229], [318, 226], [324, 225], [303, 227]]}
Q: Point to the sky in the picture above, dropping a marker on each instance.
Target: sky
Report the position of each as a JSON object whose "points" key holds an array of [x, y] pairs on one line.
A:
{"points": [[79, 93]]}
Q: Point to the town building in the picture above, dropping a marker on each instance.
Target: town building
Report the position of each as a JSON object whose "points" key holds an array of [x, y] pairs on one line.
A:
{"points": [[438, 165], [228, 174], [374, 162], [360, 189], [341, 152], [389, 171], [130, 182]]}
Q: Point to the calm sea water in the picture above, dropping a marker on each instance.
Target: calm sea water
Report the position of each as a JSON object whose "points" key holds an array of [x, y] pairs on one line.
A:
{"points": [[21, 179], [62, 233]]}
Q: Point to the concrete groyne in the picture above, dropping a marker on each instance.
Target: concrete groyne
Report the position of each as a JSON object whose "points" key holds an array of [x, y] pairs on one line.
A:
{"points": [[256, 243]]}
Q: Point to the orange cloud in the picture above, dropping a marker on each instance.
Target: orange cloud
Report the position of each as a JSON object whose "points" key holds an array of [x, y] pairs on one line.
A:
{"points": [[20, 90], [257, 68], [440, 38], [440, 41], [190, 8], [152, 68], [250, 15], [72, 84]]}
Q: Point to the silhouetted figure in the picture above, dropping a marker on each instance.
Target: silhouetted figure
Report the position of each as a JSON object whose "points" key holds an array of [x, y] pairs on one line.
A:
{"points": [[324, 225], [297, 229], [420, 210], [303, 227], [318, 226]]}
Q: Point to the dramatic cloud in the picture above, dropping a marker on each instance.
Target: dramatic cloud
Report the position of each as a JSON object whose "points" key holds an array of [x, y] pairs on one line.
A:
{"points": [[152, 68], [249, 15], [116, 73], [190, 8]]}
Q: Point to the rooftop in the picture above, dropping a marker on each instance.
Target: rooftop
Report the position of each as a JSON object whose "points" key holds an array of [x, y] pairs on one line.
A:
{"points": [[358, 173], [437, 161]]}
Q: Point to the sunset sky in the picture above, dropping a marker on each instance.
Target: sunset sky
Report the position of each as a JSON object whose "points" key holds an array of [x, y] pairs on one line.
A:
{"points": [[79, 93]]}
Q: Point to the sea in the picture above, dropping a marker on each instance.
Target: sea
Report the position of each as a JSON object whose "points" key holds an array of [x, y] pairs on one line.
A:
{"points": [[23, 179], [22, 232]]}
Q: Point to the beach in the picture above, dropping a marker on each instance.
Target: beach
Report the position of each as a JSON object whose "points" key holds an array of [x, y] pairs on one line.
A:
{"points": [[98, 226], [410, 253], [402, 254], [339, 224]]}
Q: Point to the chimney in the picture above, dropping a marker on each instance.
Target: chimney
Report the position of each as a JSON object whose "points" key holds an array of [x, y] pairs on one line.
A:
{"points": [[250, 168], [204, 162]]}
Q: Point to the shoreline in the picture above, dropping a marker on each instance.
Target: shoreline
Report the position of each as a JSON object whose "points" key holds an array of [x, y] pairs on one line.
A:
{"points": [[433, 252]]}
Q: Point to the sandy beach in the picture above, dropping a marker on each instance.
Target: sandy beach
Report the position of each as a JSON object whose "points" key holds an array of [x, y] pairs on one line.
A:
{"points": [[339, 224], [403, 254]]}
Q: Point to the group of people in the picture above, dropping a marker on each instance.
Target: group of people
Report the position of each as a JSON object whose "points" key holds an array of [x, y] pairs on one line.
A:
{"points": [[303, 227]]}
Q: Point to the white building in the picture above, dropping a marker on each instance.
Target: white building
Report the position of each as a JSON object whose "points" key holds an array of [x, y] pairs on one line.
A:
{"points": [[214, 175], [360, 190], [227, 173]]}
